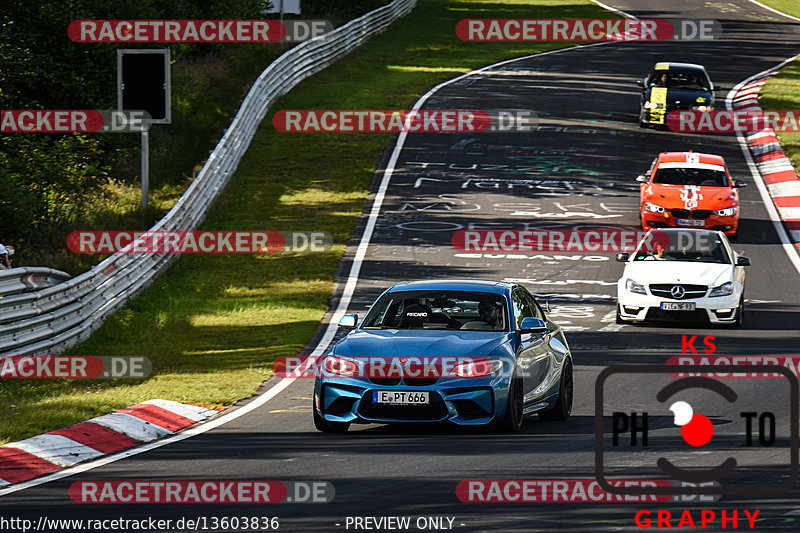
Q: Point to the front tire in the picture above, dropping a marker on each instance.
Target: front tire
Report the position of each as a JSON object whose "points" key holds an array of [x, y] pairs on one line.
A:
{"points": [[563, 407], [512, 421], [329, 427], [739, 314]]}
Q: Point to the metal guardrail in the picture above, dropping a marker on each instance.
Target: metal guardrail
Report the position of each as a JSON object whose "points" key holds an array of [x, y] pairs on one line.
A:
{"points": [[55, 318], [26, 279]]}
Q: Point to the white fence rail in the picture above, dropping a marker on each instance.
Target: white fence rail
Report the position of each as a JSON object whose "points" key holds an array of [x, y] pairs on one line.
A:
{"points": [[55, 318]]}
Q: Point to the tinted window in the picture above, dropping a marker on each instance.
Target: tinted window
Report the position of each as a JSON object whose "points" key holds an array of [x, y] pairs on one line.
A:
{"points": [[520, 306], [691, 176], [681, 79], [689, 246], [453, 310]]}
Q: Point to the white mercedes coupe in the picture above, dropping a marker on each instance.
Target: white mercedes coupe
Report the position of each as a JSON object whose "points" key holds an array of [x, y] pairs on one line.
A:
{"points": [[683, 275]]}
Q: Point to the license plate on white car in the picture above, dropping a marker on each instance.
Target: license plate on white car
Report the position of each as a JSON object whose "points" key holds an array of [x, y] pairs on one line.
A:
{"points": [[400, 397], [678, 306], [690, 222]]}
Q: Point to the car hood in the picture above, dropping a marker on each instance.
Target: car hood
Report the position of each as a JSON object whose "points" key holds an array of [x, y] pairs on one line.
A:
{"points": [[419, 343], [686, 98], [690, 196], [711, 274]]}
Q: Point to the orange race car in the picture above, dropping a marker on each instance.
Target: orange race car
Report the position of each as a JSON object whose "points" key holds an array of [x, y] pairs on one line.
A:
{"points": [[688, 189]]}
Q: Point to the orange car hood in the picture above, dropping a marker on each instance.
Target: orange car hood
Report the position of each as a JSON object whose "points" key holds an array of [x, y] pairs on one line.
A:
{"points": [[690, 196]]}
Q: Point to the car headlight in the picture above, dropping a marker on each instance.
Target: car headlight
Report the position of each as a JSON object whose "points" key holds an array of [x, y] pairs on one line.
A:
{"points": [[701, 108], [727, 212], [632, 286], [476, 368], [653, 208], [723, 290], [337, 366]]}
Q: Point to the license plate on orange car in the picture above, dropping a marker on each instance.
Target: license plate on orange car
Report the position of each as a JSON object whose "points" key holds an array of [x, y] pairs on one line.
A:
{"points": [[690, 222], [678, 306], [400, 397]]}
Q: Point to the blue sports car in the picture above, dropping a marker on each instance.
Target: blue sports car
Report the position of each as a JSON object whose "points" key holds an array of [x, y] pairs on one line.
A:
{"points": [[473, 353]]}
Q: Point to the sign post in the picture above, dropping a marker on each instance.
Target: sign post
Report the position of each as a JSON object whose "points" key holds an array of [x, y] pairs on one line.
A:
{"points": [[143, 84]]}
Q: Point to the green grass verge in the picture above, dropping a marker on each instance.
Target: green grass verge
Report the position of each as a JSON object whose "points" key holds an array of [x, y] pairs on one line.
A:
{"points": [[783, 92], [790, 7], [213, 324]]}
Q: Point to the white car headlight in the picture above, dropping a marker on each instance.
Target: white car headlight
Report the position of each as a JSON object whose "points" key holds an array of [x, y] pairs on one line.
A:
{"points": [[632, 286], [701, 108], [723, 290], [653, 208], [727, 212]]}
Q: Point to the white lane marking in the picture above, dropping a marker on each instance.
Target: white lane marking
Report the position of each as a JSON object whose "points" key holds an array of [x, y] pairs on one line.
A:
{"points": [[330, 332], [57, 449], [132, 426], [614, 9], [788, 247], [192, 412], [781, 13]]}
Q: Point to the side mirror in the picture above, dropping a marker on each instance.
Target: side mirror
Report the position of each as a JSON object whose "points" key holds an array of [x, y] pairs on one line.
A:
{"points": [[640, 83], [739, 183], [742, 261], [348, 321], [532, 325], [641, 178], [622, 257]]}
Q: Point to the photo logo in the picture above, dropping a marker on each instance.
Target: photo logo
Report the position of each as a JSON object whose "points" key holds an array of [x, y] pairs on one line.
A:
{"points": [[722, 431]]}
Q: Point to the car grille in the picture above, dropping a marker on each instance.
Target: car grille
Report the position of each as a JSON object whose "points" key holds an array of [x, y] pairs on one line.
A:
{"points": [[385, 381], [697, 214], [664, 290], [432, 412]]}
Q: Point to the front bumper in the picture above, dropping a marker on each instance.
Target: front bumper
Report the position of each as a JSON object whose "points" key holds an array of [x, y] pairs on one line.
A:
{"points": [[469, 402], [635, 307], [728, 225]]}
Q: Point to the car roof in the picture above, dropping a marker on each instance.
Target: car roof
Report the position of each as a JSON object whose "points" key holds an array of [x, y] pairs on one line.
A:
{"points": [[671, 65], [496, 287], [681, 157]]}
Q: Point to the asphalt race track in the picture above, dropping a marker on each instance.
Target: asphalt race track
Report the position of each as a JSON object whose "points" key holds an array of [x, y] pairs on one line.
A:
{"points": [[576, 170]]}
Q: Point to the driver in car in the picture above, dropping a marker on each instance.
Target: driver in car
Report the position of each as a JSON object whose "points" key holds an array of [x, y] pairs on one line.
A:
{"points": [[490, 313]]}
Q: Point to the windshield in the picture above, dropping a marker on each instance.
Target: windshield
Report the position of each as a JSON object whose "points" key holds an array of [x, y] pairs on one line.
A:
{"points": [[680, 79], [462, 310], [700, 247], [691, 176]]}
